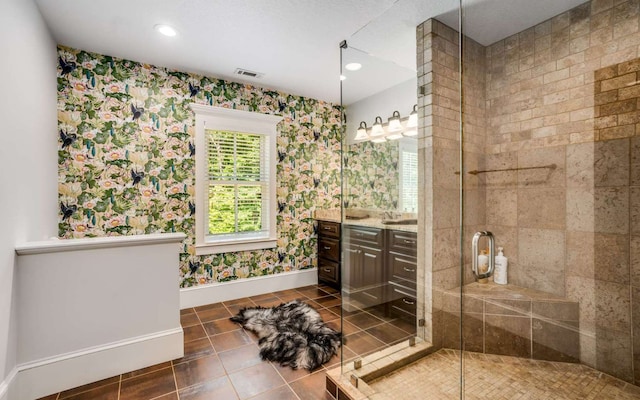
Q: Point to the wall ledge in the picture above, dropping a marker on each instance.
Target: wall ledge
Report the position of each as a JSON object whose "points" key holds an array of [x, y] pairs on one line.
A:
{"points": [[62, 245]]}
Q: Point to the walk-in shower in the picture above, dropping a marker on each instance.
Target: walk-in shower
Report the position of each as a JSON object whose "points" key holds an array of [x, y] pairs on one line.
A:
{"points": [[528, 139]]}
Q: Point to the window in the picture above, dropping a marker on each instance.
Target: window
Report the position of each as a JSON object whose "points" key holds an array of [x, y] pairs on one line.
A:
{"points": [[235, 180], [408, 172]]}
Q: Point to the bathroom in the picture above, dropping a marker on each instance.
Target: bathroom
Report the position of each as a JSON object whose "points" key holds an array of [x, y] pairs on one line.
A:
{"points": [[545, 157]]}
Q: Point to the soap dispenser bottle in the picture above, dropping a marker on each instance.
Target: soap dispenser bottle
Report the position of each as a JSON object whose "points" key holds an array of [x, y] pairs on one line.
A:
{"points": [[500, 273], [483, 265]]}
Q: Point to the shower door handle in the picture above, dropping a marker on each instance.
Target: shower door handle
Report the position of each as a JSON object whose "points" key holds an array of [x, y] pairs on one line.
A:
{"points": [[474, 254]]}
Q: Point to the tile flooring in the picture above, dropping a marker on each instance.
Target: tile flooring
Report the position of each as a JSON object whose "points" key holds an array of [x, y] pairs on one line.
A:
{"points": [[221, 359], [488, 376]]}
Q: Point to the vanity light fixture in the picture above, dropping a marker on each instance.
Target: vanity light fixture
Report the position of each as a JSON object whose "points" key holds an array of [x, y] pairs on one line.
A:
{"points": [[353, 66], [377, 129], [413, 118], [361, 133], [166, 30], [395, 129], [394, 122]]}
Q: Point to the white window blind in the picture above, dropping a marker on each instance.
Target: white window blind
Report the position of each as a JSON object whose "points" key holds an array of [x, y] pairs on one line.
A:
{"points": [[238, 172], [409, 181]]}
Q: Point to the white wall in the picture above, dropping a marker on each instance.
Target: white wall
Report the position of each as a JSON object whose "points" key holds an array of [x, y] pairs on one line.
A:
{"points": [[28, 165]]}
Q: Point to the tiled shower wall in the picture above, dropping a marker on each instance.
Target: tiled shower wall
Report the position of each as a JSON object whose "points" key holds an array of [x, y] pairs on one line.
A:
{"points": [[438, 151], [561, 95]]}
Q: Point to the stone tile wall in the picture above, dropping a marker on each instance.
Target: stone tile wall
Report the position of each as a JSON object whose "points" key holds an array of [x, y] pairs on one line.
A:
{"points": [[562, 95]]}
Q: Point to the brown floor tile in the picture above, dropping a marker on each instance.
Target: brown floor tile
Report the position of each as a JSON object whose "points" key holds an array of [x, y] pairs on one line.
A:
{"points": [[208, 307], [230, 340], [189, 319], [219, 388], [235, 308], [196, 349], [341, 311], [84, 388], [312, 387], [213, 314], [170, 396], [327, 315], [258, 298], [405, 325], [241, 301], [363, 320], [240, 358], [379, 312], [198, 371], [362, 343], [187, 311], [388, 333], [255, 380], [220, 326], [313, 292], [347, 328], [106, 392], [148, 386], [328, 301], [346, 354], [273, 302], [194, 332], [281, 393], [289, 374], [329, 289], [146, 370], [290, 295]]}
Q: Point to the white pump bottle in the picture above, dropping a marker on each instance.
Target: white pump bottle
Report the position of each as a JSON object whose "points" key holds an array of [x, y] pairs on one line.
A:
{"points": [[500, 273]]}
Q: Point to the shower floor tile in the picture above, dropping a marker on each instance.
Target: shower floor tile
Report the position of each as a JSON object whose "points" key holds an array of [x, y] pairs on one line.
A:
{"points": [[499, 377]]}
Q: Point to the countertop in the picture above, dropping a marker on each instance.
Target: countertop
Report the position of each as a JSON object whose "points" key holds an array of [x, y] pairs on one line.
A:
{"points": [[372, 222]]}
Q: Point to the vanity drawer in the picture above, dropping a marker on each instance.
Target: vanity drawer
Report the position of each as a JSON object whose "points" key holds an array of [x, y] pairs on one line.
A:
{"points": [[403, 268], [403, 242], [330, 229], [372, 237], [329, 249], [403, 302], [328, 271]]}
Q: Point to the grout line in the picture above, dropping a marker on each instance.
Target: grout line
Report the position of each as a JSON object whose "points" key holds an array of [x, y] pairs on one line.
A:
{"points": [[119, 386], [175, 381]]}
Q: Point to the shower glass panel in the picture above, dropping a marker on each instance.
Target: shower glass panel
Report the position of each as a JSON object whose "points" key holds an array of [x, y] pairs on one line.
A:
{"points": [[551, 167], [400, 217]]}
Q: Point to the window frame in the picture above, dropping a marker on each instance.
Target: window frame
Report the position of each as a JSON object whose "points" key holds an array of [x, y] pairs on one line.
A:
{"points": [[226, 119]]}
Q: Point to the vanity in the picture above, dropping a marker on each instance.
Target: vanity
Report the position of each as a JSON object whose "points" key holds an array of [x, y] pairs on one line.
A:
{"points": [[378, 267]]}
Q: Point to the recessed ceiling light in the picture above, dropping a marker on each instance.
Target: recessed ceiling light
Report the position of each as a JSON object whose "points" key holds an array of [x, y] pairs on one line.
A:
{"points": [[353, 66], [166, 30], [342, 77]]}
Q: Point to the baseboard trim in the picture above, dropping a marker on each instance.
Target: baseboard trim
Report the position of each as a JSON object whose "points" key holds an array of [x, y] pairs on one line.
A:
{"points": [[8, 387], [44, 377], [224, 291]]}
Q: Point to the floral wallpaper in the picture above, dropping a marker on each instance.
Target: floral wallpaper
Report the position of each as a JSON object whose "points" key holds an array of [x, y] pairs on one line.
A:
{"points": [[371, 175], [126, 160]]}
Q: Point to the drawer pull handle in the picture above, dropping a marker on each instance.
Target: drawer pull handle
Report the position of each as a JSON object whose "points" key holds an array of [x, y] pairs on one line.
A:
{"points": [[409, 269], [410, 241], [409, 302], [327, 247], [326, 269], [327, 228]]}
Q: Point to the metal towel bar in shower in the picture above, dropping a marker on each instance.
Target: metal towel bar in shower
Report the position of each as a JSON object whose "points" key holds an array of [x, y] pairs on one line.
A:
{"points": [[474, 254]]}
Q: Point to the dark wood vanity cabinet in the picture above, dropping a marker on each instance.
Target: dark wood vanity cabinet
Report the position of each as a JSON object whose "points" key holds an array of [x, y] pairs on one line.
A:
{"points": [[363, 279], [401, 274], [329, 253]]}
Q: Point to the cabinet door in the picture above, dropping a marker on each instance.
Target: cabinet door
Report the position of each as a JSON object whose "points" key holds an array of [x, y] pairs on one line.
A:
{"points": [[372, 274], [352, 277]]}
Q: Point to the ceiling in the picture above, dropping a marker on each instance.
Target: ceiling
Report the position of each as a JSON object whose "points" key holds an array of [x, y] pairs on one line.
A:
{"points": [[294, 43]]}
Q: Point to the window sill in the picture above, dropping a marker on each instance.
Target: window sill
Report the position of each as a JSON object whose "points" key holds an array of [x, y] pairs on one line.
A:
{"points": [[233, 246]]}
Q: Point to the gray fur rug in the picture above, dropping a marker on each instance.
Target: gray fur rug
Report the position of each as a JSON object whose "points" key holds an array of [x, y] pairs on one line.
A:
{"points": [[291, 334]]}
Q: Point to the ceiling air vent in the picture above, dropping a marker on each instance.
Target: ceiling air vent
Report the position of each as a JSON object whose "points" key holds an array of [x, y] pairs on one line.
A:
{"points": [[247, 73]]}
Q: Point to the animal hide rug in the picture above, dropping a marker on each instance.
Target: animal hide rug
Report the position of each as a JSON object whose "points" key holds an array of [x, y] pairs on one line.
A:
{"points": [[291, 334]]}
